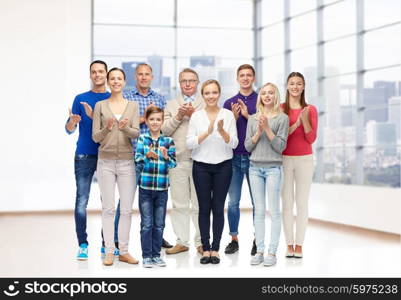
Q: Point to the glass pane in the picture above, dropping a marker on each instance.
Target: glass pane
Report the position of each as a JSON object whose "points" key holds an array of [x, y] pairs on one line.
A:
{"points": [[383, 47], [301, 25], [273, 40], [381, 12], [163, 71], [133, 41], [339, 164], [388, 74], [304, 61], [222, 13], [394, 113], [220, 42], [297, 6], [134, 12], [382, 98], [340, 56], [340, 108], [339, 19], [273, 71], [382, 163], [272, 11]]}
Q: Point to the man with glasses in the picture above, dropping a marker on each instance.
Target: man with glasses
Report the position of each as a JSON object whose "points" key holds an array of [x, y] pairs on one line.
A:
{"points": [[185, 203]]}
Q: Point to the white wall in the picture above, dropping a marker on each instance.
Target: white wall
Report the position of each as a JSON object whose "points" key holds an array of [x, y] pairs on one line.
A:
{"points": [[377, 208], [45, 52]]}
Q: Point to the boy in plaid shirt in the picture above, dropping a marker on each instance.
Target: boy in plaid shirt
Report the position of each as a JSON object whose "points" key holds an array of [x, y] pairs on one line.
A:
{"points": [[155, 153]]}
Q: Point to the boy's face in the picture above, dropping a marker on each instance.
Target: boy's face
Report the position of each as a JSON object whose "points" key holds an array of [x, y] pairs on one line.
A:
{"points": [[154, 122]]}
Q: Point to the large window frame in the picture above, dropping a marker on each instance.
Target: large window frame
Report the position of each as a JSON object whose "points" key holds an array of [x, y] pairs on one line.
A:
{"points": [[359, 71]]}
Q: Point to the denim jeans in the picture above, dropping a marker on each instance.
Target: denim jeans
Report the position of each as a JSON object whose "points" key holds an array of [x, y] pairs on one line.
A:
{"points": [[85, 166], [266, 184], [240, 168], [152, 206], [211, 183]]}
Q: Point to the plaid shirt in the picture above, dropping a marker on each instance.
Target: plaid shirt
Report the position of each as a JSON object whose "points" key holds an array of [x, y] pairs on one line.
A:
{"points": [[154, 173], [143, 102]]}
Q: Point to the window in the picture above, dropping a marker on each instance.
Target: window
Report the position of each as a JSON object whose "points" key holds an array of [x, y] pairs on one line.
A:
{"points": [[383, 47]]}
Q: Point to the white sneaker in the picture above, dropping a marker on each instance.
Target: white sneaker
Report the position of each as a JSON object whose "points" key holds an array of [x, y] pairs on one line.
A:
{"points": [[270, 260], [257, 259]]}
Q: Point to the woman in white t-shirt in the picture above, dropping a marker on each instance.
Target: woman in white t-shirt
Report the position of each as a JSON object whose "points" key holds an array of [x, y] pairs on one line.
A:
{"points": [[212, 136]]}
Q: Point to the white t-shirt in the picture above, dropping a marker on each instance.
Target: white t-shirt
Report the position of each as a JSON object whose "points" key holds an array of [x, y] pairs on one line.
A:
{"points": [[213, 149]]}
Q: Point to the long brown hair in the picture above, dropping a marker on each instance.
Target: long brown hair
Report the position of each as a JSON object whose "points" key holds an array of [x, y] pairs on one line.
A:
{"points": [[287, 94]]}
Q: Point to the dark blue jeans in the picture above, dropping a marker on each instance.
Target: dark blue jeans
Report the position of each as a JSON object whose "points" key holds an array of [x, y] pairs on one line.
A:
{"points": [[85, 167], [240, 169], [152, 206], [211, 183]]}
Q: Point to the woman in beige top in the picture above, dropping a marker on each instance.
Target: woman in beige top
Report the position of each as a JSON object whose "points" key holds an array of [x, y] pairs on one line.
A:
{"points": [[115, 123]]}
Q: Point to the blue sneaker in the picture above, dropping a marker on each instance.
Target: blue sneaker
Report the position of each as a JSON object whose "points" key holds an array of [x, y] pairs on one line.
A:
{"points": [[103, 252], [148, 262], [157, 261], [83, 252]]}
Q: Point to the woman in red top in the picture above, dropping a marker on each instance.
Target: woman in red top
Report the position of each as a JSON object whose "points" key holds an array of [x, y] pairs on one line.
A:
{"points": [[297, 162]]}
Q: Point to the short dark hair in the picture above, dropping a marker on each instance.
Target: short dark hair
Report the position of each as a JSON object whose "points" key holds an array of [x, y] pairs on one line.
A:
{"points": [[152, 110], [115, 69], [244, 67], [98, 62]]}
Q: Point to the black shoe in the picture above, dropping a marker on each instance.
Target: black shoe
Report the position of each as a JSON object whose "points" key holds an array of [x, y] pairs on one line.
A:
{"points": [[166, 244], [231, 247], [215, 260], [253, 251], [205, 260]]}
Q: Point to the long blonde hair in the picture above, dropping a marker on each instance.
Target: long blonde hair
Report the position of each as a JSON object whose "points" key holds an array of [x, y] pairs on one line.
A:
{"points": [[259, 104]]}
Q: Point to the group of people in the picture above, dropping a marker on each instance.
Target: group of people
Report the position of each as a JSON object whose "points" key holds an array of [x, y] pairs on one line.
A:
{"points": [[199, 150]]}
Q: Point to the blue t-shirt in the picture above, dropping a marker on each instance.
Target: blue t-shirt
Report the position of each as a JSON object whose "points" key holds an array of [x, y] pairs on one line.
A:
{"points": [[85, 144]]}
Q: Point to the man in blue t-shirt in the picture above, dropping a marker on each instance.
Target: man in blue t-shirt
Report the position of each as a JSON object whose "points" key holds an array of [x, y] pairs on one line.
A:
{"points": [[87, 150]]}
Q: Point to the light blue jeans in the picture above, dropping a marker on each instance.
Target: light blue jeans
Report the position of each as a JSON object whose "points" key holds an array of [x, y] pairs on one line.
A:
{"points": [[266, 185]]}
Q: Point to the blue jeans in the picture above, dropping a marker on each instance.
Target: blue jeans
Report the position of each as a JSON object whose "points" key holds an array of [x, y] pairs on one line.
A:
{"points": [[240, 168], [85, 167], [152, 206], [266, 184]]}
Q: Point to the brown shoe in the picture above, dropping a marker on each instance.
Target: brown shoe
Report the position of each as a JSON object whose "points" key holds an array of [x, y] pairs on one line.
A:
{"points": [[128, 259], [108, 259], [200, 249], [177, 249]]}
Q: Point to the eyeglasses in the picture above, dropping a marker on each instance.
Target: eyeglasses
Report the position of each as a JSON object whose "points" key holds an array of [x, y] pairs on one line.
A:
{"points": [[191, 81]]}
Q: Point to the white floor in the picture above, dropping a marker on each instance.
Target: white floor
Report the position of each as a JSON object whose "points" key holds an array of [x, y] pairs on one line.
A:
{"points": [[44, 245]]}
